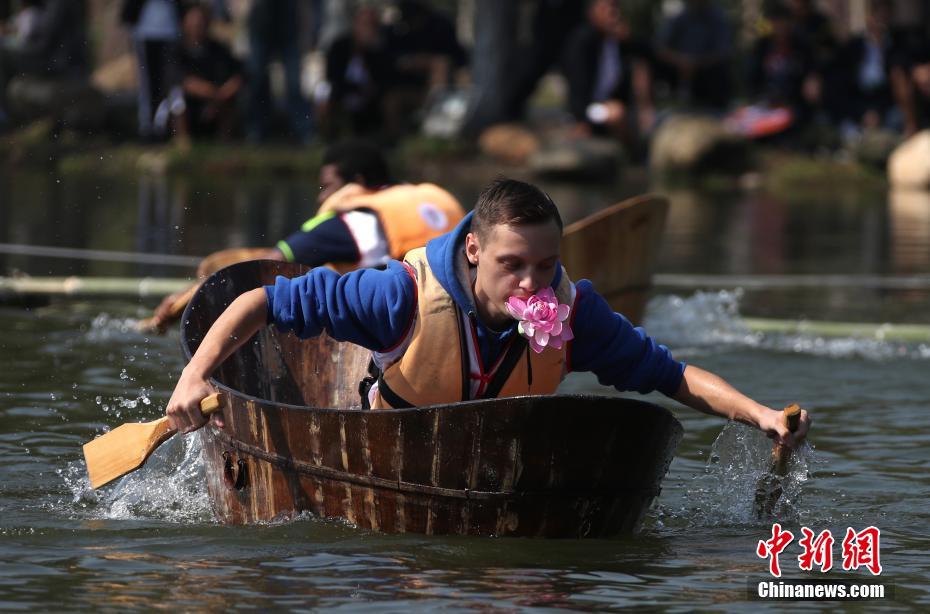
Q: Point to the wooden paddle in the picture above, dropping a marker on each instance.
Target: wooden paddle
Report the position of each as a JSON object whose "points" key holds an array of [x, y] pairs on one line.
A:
{"points": [[208, 266], [159, 324], [769, 488], [127, 447]]}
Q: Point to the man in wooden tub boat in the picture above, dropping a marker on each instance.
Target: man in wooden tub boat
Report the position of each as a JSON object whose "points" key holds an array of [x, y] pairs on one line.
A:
{"points": [[364, 220], [483, 311]]}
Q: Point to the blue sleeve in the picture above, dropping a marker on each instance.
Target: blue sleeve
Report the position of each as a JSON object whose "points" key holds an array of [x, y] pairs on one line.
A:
{"points": [[621, 355], [324, 238], [369, 307]]}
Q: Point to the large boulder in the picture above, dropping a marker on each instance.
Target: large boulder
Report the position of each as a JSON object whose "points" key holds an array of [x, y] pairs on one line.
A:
{"points": [[874, 147], [688, 144], [909, 163], [117, 75], [72, 102], [509, 143], [578, 159]]}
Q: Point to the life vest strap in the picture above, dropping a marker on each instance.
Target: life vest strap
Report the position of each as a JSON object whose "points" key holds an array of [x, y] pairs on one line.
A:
{"points": [[463, 354], [393, 399], [364, 386], [500, 376]]}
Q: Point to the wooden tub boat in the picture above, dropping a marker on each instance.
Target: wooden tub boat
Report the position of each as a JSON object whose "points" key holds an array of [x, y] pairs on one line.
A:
{"points": [[295, 440]]}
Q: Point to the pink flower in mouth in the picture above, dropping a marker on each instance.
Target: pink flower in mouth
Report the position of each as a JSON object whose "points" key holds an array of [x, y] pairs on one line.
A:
{"points": [[542, 319]]}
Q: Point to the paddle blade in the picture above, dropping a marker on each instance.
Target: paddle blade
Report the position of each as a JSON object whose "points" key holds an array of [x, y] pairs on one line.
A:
{"points": [[123, 449], [127, 447]]}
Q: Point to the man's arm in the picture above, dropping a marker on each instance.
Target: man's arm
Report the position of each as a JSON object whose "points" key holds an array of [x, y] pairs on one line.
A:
{"points": [[198, 87], [711, 394], [321, 240], [172, 306], [625, 357], [230, 88], [642, 93], [242, 319], [367, 307]]}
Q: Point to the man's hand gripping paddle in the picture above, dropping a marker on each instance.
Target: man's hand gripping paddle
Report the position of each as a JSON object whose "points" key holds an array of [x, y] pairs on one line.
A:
{"points": [[769, 489], [127, 447]]}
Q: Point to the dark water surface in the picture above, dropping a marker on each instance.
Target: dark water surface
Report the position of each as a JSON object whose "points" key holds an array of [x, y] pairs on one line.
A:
{"points": [[72, 370]]}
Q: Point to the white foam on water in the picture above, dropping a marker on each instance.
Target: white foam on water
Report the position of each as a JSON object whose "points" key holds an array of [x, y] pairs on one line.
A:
{"points": [[703, 319], [712, 320]]}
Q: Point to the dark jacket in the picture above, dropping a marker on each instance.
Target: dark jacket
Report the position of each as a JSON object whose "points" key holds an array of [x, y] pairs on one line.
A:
{"points": [[131, 9], [778, 79], [59, 46], [580, 62], [851, 98]]}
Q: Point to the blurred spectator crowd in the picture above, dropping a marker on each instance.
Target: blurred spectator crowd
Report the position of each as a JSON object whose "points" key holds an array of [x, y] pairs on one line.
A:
{"points": [[325, 69]]}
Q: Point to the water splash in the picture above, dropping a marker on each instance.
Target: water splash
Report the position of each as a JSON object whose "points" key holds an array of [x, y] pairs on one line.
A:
{"points": [[171, 487], [105, 327], [115, 405], [712, 320], [704, 319], [724, 493]]}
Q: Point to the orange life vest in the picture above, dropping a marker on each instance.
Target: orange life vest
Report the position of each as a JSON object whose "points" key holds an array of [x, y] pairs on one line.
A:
{"points": [[442, 362], [410, 214]]}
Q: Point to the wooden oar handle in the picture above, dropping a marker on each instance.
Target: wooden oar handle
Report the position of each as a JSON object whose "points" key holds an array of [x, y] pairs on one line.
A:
{"points": [[212, 403], [177, 307], [780, 453], [792, 415]]}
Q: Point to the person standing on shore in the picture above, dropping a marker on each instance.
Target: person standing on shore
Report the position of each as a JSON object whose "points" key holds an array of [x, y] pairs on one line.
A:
{"points": [[155, 26]]}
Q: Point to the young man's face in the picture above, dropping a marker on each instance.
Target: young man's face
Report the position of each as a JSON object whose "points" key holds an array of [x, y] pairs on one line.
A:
{"points": [[512, 261], [195, 26], [330, 181]]}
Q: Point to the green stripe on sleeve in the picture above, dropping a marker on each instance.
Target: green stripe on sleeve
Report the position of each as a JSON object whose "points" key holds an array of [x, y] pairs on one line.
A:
{"points": [[286, 250], [316, 220]]}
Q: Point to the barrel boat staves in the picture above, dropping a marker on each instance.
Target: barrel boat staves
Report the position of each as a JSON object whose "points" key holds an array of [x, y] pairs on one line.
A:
{"points": [[296, 440]]}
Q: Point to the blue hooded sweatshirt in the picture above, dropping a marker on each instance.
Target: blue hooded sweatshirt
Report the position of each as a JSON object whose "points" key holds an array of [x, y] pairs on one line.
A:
{"points": [[374, 309]]}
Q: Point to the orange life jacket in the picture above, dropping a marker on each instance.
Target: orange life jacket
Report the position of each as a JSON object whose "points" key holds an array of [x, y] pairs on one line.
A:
{"points": [[410, 214], [442, 362]]}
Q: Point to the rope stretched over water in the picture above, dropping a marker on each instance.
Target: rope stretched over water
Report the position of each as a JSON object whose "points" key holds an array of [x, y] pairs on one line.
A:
{"points": [[668, 280], [777, 282], [47, 251], [908, 333], [86, 287]]}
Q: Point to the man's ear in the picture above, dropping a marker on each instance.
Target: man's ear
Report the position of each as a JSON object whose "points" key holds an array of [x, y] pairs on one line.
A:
{"points": [[472, 248]]}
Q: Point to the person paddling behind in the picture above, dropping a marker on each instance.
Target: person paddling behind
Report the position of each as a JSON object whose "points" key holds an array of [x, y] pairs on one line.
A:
{"points": [[364, 219], [483, 311]]}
